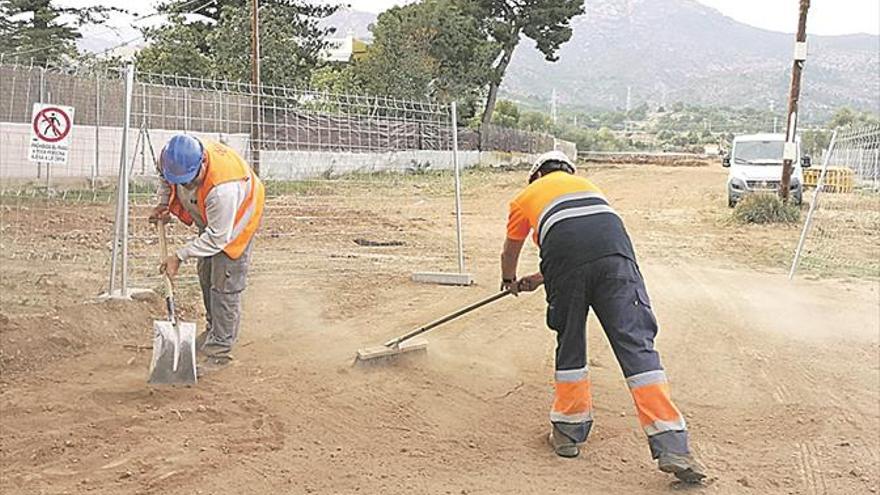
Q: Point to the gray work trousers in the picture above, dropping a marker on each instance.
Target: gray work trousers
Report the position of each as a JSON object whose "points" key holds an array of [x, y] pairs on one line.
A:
{"points": [[613, 287], [223, 279]]}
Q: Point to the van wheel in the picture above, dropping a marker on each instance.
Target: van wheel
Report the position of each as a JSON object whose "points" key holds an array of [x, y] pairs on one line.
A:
{"points": [[730, 202]]}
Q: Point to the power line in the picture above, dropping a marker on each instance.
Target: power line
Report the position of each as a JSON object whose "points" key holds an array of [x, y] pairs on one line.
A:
{"points": [[146, 16], [154, 14], [141, 36]]}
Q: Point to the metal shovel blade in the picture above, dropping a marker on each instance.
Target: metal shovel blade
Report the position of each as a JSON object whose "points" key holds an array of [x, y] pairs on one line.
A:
{"points": [[174, 353]]}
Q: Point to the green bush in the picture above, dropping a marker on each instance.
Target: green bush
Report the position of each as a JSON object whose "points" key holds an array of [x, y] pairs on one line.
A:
{"points": [[765, 208]]}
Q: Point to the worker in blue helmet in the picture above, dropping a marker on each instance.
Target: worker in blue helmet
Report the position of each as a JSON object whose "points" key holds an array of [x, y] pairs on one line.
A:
{"points": [[208, 184]]}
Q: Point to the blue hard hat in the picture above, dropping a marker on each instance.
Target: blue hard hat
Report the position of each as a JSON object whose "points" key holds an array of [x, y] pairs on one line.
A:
{"points": [[181, 158]]}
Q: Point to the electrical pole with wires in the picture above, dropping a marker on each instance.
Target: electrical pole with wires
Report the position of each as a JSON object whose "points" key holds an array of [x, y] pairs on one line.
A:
{"points": [[790, 153], [255, 82]]}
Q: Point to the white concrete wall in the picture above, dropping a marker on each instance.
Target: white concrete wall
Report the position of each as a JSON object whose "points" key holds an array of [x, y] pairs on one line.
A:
{"points": [[15, 139], [296, 165], [277, 165], [299, 165]]}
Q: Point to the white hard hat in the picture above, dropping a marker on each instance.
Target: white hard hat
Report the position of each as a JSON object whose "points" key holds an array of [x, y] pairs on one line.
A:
{"points": [[551, 156]]}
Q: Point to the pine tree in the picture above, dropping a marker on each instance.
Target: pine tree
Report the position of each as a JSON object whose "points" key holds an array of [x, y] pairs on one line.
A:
{"points": [[44, 33]]}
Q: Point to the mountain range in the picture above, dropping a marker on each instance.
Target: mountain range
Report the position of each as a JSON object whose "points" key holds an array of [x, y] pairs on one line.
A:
{"points": [[665, 51], [628, 52]]}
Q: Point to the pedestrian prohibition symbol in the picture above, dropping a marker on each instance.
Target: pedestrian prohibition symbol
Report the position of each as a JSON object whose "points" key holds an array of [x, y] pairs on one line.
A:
{"points": [[50, 133]]}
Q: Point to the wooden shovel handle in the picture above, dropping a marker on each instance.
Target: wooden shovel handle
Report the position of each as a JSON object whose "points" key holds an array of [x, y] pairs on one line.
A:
{"points": [[163, 248]]}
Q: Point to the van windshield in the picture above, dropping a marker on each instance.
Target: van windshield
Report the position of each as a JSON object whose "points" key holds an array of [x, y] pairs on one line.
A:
{"points": [[759, 152]]}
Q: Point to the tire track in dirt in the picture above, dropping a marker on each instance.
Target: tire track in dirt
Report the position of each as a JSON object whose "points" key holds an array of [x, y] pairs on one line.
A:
{"points": [[782, 379], [810, 468]]}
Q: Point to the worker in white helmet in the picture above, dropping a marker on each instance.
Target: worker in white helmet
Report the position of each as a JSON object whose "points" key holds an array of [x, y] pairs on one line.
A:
{"points": [[587, 261]]}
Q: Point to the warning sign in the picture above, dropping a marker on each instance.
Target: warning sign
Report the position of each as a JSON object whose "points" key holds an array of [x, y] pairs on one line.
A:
{"points": [[50, 133]]}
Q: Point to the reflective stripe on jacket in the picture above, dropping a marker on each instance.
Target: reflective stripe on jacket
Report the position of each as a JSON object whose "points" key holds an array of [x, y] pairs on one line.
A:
{"points": [[539, 206]]}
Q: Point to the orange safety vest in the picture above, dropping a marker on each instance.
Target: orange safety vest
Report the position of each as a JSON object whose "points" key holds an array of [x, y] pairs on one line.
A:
{"points": [[223, 165]]}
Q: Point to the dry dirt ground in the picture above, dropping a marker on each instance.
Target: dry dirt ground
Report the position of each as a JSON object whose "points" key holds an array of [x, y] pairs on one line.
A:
{"points": [[779, 382]]}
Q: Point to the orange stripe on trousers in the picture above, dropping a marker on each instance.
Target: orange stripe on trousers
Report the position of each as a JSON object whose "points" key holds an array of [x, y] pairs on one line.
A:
{"points": [[573, 397], [654, 403]]}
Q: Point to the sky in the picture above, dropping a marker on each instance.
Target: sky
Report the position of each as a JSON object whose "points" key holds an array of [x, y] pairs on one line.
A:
{"points": [[827, 17]]}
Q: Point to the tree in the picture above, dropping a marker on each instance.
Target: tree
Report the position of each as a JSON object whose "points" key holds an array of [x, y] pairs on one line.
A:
{"points": [[842, 117], [505, 21], [45, 33], [337, 78], [506, 114], [177, 48], [638, 113], [428, 49], [215, 41], [846, 117], [535, 121], [814, 141]]}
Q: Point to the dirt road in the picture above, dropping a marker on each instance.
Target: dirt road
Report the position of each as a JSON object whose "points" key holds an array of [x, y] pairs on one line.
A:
{"points": [[778, 381]]}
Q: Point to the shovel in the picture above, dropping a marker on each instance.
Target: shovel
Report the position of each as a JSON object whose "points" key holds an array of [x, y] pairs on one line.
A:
{"points": [[174, 342]]}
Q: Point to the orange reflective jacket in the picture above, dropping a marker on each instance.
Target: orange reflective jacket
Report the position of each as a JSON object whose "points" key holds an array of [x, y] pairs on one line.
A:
{"points": [[527, 209], [223, 165]]}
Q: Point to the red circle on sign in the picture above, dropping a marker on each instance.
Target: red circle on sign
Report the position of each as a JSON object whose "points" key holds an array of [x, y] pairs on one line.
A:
{"points": [[59, 134]]}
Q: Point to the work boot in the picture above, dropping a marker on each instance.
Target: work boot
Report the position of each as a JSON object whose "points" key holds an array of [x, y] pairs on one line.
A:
{"points": [[683, 466], [211, 364], [562, 444], [215, 350]]}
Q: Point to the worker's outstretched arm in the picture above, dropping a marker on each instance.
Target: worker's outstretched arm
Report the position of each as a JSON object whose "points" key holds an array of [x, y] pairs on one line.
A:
{"points": [[509, 261], [160, 212]]}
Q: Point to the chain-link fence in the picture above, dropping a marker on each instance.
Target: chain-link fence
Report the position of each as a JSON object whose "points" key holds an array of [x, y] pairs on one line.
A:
{"points": [[841, 234], [344, 173], [56, 218], [94, 145], [350, 178]]}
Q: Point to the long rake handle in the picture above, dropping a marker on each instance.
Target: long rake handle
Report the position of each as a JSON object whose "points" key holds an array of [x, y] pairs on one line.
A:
{"points": [[467, 309]]}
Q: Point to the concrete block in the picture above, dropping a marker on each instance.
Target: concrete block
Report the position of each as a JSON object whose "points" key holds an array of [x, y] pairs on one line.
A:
{"points": [[132, 294]]}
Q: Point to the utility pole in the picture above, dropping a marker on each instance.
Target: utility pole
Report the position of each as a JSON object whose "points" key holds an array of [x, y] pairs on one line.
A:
{"points": [[800, 55], [553, 114], [256, 114]]}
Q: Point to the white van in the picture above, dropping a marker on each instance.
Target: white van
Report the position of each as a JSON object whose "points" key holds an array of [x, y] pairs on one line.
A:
{"points": [[755, 163]]}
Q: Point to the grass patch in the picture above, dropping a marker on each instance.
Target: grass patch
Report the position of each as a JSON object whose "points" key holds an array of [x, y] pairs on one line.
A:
{"points": [[765, 208]]}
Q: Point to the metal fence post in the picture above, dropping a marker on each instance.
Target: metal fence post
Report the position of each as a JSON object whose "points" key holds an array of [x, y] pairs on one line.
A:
{"points": [[42, 100], [143, 127], [820, 183], [457, 172], [96, 170], [875, 171], [129, 88], [48, 165], [121, 228]]}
